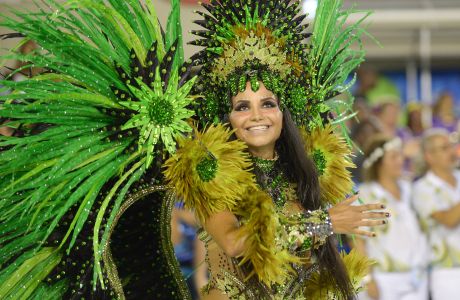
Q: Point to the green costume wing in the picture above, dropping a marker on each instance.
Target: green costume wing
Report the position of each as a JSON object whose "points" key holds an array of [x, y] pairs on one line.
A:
{"points": [[111, 102]]}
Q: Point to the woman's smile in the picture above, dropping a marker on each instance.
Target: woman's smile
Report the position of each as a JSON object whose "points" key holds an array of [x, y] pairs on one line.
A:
{"points": [[258, 128]]}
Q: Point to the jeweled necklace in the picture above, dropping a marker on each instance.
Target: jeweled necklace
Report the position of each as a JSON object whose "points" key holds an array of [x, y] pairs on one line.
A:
{"points": [[272, 179]]}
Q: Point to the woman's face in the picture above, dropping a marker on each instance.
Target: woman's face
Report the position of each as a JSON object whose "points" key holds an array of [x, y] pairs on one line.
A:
{"points": [[392, 164], [258, 120]]}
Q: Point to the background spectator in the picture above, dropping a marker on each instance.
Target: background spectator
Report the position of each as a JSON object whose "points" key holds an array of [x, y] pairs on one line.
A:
{"points": [[399, 248], [437, 201]]}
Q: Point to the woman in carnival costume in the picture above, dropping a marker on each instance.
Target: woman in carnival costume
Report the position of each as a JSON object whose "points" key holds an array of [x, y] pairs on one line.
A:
{"points": [[400, 249], [87, 202]]}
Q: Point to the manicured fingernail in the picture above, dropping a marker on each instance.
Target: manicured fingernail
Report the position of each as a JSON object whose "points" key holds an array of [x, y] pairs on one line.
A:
{"points": [[382, 206], [387, 215], [355, 192], [374, 235], [384, 222]]}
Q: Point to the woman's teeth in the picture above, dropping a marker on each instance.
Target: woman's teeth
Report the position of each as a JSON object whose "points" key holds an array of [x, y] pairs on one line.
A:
{"points": [[258, 128]]}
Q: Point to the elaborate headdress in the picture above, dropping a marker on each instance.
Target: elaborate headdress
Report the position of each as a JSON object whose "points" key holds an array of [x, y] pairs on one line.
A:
{"points": [[114, 104], [268, 41]]}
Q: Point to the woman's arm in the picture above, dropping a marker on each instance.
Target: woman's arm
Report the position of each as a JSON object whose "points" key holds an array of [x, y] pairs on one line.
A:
{"points": [[224, 230], [199, 262]]}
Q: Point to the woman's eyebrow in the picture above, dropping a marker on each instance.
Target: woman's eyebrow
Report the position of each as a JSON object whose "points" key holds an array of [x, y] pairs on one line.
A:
{"points": [[242, 100], [268, 98]]}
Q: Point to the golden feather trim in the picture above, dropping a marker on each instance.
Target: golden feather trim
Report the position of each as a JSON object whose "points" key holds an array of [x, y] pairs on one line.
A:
{"points": [[335, 180], [270, 263], [230, 180], [357, 266]]}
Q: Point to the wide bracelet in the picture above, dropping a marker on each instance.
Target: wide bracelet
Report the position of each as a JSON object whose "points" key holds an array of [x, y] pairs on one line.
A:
{"points": [[318, 224], [309, 229]]}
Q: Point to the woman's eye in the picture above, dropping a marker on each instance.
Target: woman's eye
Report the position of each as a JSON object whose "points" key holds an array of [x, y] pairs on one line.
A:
{"points": [[270, 104], [241, 107]]}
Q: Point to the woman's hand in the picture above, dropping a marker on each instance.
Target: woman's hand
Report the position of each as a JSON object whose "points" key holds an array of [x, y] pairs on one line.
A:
{"points": [[347, 218]]}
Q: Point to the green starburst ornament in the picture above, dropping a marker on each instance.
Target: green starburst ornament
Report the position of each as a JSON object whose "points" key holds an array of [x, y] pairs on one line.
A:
{"points": [[160, 115]]}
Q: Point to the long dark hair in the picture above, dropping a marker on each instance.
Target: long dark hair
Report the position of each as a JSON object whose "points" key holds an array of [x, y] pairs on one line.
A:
{"points": [[299, 168]]}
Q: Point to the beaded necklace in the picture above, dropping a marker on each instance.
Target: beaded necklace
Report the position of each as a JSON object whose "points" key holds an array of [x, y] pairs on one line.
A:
{"points": [[272, 179]]}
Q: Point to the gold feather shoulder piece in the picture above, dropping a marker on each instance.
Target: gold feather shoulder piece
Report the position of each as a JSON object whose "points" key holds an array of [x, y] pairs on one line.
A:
{"points": [[270, 262], [209, 172], [331, 155]]}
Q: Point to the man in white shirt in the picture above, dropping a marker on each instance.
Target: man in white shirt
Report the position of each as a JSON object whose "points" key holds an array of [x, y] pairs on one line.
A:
{"points": [[436, 198]]}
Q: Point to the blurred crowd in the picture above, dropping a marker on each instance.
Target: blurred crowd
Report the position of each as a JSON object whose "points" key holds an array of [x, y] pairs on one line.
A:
{"points": [[407, 158]]}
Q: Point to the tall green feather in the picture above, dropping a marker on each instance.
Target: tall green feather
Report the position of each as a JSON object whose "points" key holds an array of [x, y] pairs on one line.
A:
{"points": [[331, 59], [80, 167]]}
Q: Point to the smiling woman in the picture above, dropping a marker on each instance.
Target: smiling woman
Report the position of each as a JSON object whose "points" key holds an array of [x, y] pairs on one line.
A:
{"points": [[272, 238], [283, 171]]}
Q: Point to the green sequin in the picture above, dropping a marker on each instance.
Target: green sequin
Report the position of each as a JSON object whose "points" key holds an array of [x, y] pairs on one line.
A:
{"points": [[274, 181], [266, 165], [162, 112], [320, 161], [242, 83], [306, 245], [254, 83], [207, 169]]}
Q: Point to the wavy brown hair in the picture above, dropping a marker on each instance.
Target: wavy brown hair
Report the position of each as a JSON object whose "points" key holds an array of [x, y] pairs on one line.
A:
{"points": [[300, 169]]}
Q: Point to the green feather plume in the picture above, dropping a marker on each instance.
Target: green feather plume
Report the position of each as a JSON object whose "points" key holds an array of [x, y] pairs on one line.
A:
{"points": [[97, 103]]}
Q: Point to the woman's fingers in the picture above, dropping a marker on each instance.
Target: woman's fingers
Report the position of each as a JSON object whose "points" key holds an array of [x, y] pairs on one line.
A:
{"points": [[371, 223], [374, 206], [376, 215], [364, 233]]}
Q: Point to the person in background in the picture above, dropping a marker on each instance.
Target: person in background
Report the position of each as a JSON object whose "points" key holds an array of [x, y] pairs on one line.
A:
{"points": [[360, 134], [444, 113], [189, 250], [387, 116], [399, 248], [437, 200], [414, 123]]}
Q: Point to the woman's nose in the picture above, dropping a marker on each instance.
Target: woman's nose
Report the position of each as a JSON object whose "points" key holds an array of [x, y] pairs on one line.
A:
{"points": [[256, 114]]}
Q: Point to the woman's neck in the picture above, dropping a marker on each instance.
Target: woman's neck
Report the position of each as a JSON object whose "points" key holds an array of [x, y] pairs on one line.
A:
{"points": [[263, 153], [390, 185]]}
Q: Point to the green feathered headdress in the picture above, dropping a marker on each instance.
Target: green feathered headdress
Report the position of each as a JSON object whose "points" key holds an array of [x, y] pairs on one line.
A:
{"points": [[267, 41]]}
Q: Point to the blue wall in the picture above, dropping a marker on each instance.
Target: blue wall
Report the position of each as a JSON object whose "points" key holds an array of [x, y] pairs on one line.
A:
{"points": [[441, 81]]}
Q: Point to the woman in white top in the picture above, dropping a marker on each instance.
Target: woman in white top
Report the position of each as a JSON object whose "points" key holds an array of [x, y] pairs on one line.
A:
{"points": [[399, 248]]}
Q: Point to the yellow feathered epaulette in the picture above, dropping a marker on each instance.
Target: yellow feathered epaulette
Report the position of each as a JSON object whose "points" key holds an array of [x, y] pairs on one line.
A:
{"points": [[331, 155], [209, 172], [357, 266]]}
